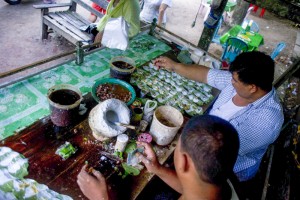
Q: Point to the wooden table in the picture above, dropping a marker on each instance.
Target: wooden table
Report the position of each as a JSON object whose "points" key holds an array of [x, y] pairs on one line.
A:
{"points": [[39, 142]]}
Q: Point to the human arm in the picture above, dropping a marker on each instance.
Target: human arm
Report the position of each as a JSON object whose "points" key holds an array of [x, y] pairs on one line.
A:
{"points": [[194, 72], [162, 9], [93, 187], [168, 175]]}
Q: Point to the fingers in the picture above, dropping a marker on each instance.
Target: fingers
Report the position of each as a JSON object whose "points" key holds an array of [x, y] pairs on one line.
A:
{"points": [[84, 167], [81, 178], [143, 158], [98, 175], [83, 174], [149, 153], [159, 61], [144, 144]]}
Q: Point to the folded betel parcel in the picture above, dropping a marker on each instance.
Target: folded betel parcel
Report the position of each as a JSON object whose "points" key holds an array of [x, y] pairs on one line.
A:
{"points": [[13, 185]]}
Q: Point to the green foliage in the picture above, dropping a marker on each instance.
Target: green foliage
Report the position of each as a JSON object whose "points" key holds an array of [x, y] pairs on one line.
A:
{"points": [[130, 170], [283, 11]]}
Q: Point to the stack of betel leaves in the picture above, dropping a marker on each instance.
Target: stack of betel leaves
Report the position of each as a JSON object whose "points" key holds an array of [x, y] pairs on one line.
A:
{"points": [[13, 185], [142, 45], [169, 88]]}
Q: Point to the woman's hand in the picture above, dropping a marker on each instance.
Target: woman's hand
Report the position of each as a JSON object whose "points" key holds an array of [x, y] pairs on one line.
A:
{"points": [[149, 158], [165, 63], [93, 187], [98, 38]]}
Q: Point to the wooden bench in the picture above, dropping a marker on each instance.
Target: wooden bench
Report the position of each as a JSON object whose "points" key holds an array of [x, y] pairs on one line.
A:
{"points": [[68, 22]]}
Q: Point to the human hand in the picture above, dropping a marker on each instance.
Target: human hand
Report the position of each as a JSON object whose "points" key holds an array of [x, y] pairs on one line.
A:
{"points": [[149, 158], [98, 38], [93, 187], [165, 62]]}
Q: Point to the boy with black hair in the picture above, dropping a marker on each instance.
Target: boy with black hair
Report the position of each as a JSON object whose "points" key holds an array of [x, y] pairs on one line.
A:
{"points": [[204, 158]]}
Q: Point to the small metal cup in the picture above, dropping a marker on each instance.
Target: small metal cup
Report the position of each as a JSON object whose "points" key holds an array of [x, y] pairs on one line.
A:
{"points": [[137, 115]]}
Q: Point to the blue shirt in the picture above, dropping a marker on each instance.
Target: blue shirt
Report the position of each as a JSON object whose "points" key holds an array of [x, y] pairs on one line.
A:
{"points": [[258, 124]]}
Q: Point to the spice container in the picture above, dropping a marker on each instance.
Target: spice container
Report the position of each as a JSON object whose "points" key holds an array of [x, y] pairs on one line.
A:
{"points": [[166, 122], [121, 68], [64, 101], [121, 143]]}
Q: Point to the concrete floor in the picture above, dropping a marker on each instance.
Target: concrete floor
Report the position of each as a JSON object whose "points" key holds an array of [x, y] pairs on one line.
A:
{"points": [[21, 44]]}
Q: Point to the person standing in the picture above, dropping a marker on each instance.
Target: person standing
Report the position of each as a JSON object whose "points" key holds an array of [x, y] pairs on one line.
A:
{"points": [[93, 17], [155, 9], [128, 9]]}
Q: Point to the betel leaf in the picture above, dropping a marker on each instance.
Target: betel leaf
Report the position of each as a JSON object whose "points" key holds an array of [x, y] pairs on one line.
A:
{"points": [[130, 170], [66, 150], [130, 147]]}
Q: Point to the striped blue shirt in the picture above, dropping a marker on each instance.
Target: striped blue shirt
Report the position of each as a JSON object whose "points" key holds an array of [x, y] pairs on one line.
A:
{"points": [[258, 124]]}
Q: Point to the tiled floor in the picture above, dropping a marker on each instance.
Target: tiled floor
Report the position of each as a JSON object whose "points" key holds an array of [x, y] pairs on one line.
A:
{"points": [[24, 102]]}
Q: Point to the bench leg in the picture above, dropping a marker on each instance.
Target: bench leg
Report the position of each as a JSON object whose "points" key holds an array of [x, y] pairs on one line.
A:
{"points": [[44, 31], [44, 11]]}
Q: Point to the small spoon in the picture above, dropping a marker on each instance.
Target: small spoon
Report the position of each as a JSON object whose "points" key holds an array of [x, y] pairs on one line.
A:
{"points": [[125, 125], [113, 118]]}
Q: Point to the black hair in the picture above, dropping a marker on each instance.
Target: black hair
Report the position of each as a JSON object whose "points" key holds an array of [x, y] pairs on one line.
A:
{"points": [[212, 143], [254, 68]]}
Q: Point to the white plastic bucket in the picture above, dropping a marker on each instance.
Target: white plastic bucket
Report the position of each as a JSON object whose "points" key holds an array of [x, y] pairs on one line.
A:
{"points": [[166, 123]]}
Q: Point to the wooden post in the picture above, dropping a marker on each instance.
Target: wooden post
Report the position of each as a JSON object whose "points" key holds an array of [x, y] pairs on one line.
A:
{"points": [[153, 25], [210, 24], [79, 53], [239, 12]]}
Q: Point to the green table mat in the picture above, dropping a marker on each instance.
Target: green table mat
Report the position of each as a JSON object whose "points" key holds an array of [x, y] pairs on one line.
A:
{"points": [[253, 40], [25, 102]]}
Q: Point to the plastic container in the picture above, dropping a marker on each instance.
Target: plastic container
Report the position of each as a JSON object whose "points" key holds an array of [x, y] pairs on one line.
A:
{"points": [[64, 101], [121, 72], [167, 120], [196, 55], [121, 143]]}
